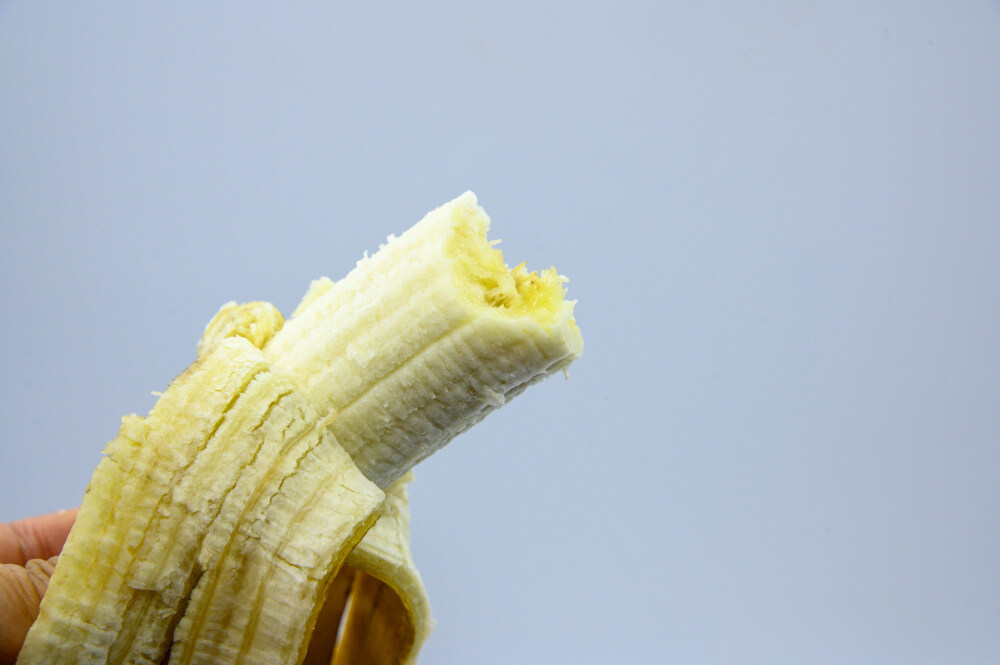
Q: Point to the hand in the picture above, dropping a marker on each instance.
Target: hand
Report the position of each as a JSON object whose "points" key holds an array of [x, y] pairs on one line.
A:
{"points": [[28, 553]]}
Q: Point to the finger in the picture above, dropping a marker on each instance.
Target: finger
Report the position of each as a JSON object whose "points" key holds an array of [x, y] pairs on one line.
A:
{"points": [[35, 538], [21, 591]]}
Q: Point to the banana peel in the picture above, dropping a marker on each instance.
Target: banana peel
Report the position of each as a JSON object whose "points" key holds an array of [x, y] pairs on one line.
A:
{"points": [[389, 616]]}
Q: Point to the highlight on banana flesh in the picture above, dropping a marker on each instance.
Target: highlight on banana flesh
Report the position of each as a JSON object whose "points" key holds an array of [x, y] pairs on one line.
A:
{"points": [[258, 513]]}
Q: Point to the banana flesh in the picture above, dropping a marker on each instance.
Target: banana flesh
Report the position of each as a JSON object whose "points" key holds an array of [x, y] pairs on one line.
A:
{"points": [[214, 528], [423, 340]]}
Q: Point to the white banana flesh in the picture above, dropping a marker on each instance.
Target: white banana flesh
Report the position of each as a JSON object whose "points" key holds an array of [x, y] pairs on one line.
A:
{"points": [[214, 528]]}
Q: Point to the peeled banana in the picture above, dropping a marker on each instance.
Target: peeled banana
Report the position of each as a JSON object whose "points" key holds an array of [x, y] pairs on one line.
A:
{"points": [[216, 529]]}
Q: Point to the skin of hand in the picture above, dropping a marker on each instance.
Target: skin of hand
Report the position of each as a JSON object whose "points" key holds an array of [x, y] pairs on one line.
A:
{"points": [[29, 550]]}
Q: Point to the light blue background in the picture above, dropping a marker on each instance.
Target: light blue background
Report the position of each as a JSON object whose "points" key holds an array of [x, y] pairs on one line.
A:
{"points": [[781, 220]]}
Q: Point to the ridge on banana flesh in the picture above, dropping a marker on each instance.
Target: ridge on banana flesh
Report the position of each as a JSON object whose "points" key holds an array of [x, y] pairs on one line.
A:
{"points": [[215, 527]]}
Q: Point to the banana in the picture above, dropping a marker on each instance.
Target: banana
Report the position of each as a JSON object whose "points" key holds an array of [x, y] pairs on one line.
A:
{"points": [[214, 528]]}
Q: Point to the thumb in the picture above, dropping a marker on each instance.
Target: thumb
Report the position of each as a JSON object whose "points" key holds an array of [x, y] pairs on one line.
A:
{"points": [[21, 591], [25, 569]]}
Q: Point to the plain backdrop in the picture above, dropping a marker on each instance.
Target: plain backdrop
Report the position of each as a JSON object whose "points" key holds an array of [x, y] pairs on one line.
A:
{"points": [[781, 220]]}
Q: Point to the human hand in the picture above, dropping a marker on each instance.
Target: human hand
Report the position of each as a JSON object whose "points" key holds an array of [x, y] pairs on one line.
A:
{"points": [[29, 550]]}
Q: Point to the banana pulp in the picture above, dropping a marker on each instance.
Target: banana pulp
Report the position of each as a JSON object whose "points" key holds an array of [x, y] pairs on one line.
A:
{"points": [[215, 529]]}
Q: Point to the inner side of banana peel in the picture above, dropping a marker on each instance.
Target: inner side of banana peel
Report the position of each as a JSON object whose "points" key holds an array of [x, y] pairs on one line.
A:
{"points": [[376, 609]]}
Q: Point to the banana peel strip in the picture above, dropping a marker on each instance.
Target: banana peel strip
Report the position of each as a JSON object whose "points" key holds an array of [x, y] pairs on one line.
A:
{"points": [[376, 610]]}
